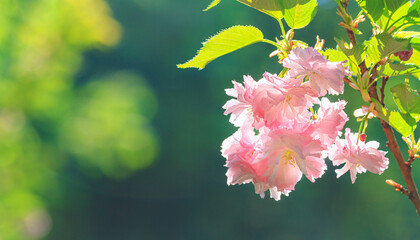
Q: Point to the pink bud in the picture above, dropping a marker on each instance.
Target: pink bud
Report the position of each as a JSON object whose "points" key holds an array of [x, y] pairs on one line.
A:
{"points": [[362, 137]]}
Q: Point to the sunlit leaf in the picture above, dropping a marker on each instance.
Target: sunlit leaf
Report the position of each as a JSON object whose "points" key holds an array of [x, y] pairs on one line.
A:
{"points": [[396, 17], [356, 51], [403, 123], [225, 42], [272, 8], [384, 44], [212, 4], [398, 68], [393, 5], [407, 101], [372, 8], [299, 13], [335, 55]]}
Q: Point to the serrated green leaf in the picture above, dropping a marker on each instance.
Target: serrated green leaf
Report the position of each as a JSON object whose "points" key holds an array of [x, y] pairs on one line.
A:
{"points": [[403, 123], [372, 8], [226, 41], [414, 10], [396, 16], [212, 4], [397, 68], [407, 101], [335, 55], [375, 8], [393, 5], [382, 45], [372, 50], [299, 13], [356, 51], [272, 8]]}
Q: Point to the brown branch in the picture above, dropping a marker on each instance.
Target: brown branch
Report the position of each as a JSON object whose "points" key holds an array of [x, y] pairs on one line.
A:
{"points": [[410, 160], [405, 168], [382, 89], [396, 151]]}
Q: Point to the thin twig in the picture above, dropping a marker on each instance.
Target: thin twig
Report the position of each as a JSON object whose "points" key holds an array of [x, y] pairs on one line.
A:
{"points": [[398, 187]]}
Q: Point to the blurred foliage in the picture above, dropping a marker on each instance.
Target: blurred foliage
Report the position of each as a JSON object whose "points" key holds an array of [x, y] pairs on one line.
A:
{"points": [[46, 119], [108, 127]]}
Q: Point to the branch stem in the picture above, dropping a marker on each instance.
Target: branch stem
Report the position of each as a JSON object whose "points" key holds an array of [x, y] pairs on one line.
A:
{"points": [[405, 167]]}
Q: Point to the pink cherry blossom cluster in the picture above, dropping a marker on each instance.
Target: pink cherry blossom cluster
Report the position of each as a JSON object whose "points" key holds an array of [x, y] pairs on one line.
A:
{"points": [[280, 136]]}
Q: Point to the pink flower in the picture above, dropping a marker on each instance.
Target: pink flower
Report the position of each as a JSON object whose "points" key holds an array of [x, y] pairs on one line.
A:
{"points": [[288, 156], [330, 121], [240, 153], [357, 157], [323, 75], [269, 102], [280, 101], [241, 107]]}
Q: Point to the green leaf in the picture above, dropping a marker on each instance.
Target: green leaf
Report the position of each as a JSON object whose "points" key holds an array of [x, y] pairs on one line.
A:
{"points": [[335, 55], [393, 5], [226, 41], [299, 13], [407, 34], [212, 4], [356, 51], [397, 68], [397, 15], [372, 50], [414, 10], [407, 101], [415, 43], [389, 45], [272, 8], [403, 123], [382, 45], [372, 8]]}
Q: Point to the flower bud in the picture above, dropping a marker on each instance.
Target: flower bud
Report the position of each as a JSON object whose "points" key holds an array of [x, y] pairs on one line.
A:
{"points": [[362, 137]]}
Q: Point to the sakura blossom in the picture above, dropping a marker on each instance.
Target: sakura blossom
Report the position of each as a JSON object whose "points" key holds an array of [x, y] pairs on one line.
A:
{"points": [[292, 141], [241, 107], [280, 101], [323, 75], [357, 156], [270, 101], [288, 156], [241, 152], [330, 121]]}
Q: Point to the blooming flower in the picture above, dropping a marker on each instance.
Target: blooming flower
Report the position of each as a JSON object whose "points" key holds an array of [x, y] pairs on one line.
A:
{"points": [[358, 156], [239, 151], [323, 75], [241, 107], [330, 121], [288, 156], [279, 101], [270, 101]]}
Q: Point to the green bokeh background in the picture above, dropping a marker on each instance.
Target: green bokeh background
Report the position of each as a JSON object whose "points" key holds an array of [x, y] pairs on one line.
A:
{"points": [[102, 137]]}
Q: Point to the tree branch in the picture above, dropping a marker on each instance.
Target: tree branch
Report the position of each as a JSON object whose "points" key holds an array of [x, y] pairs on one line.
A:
{"points": [[405, 167], [382, 89]]}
